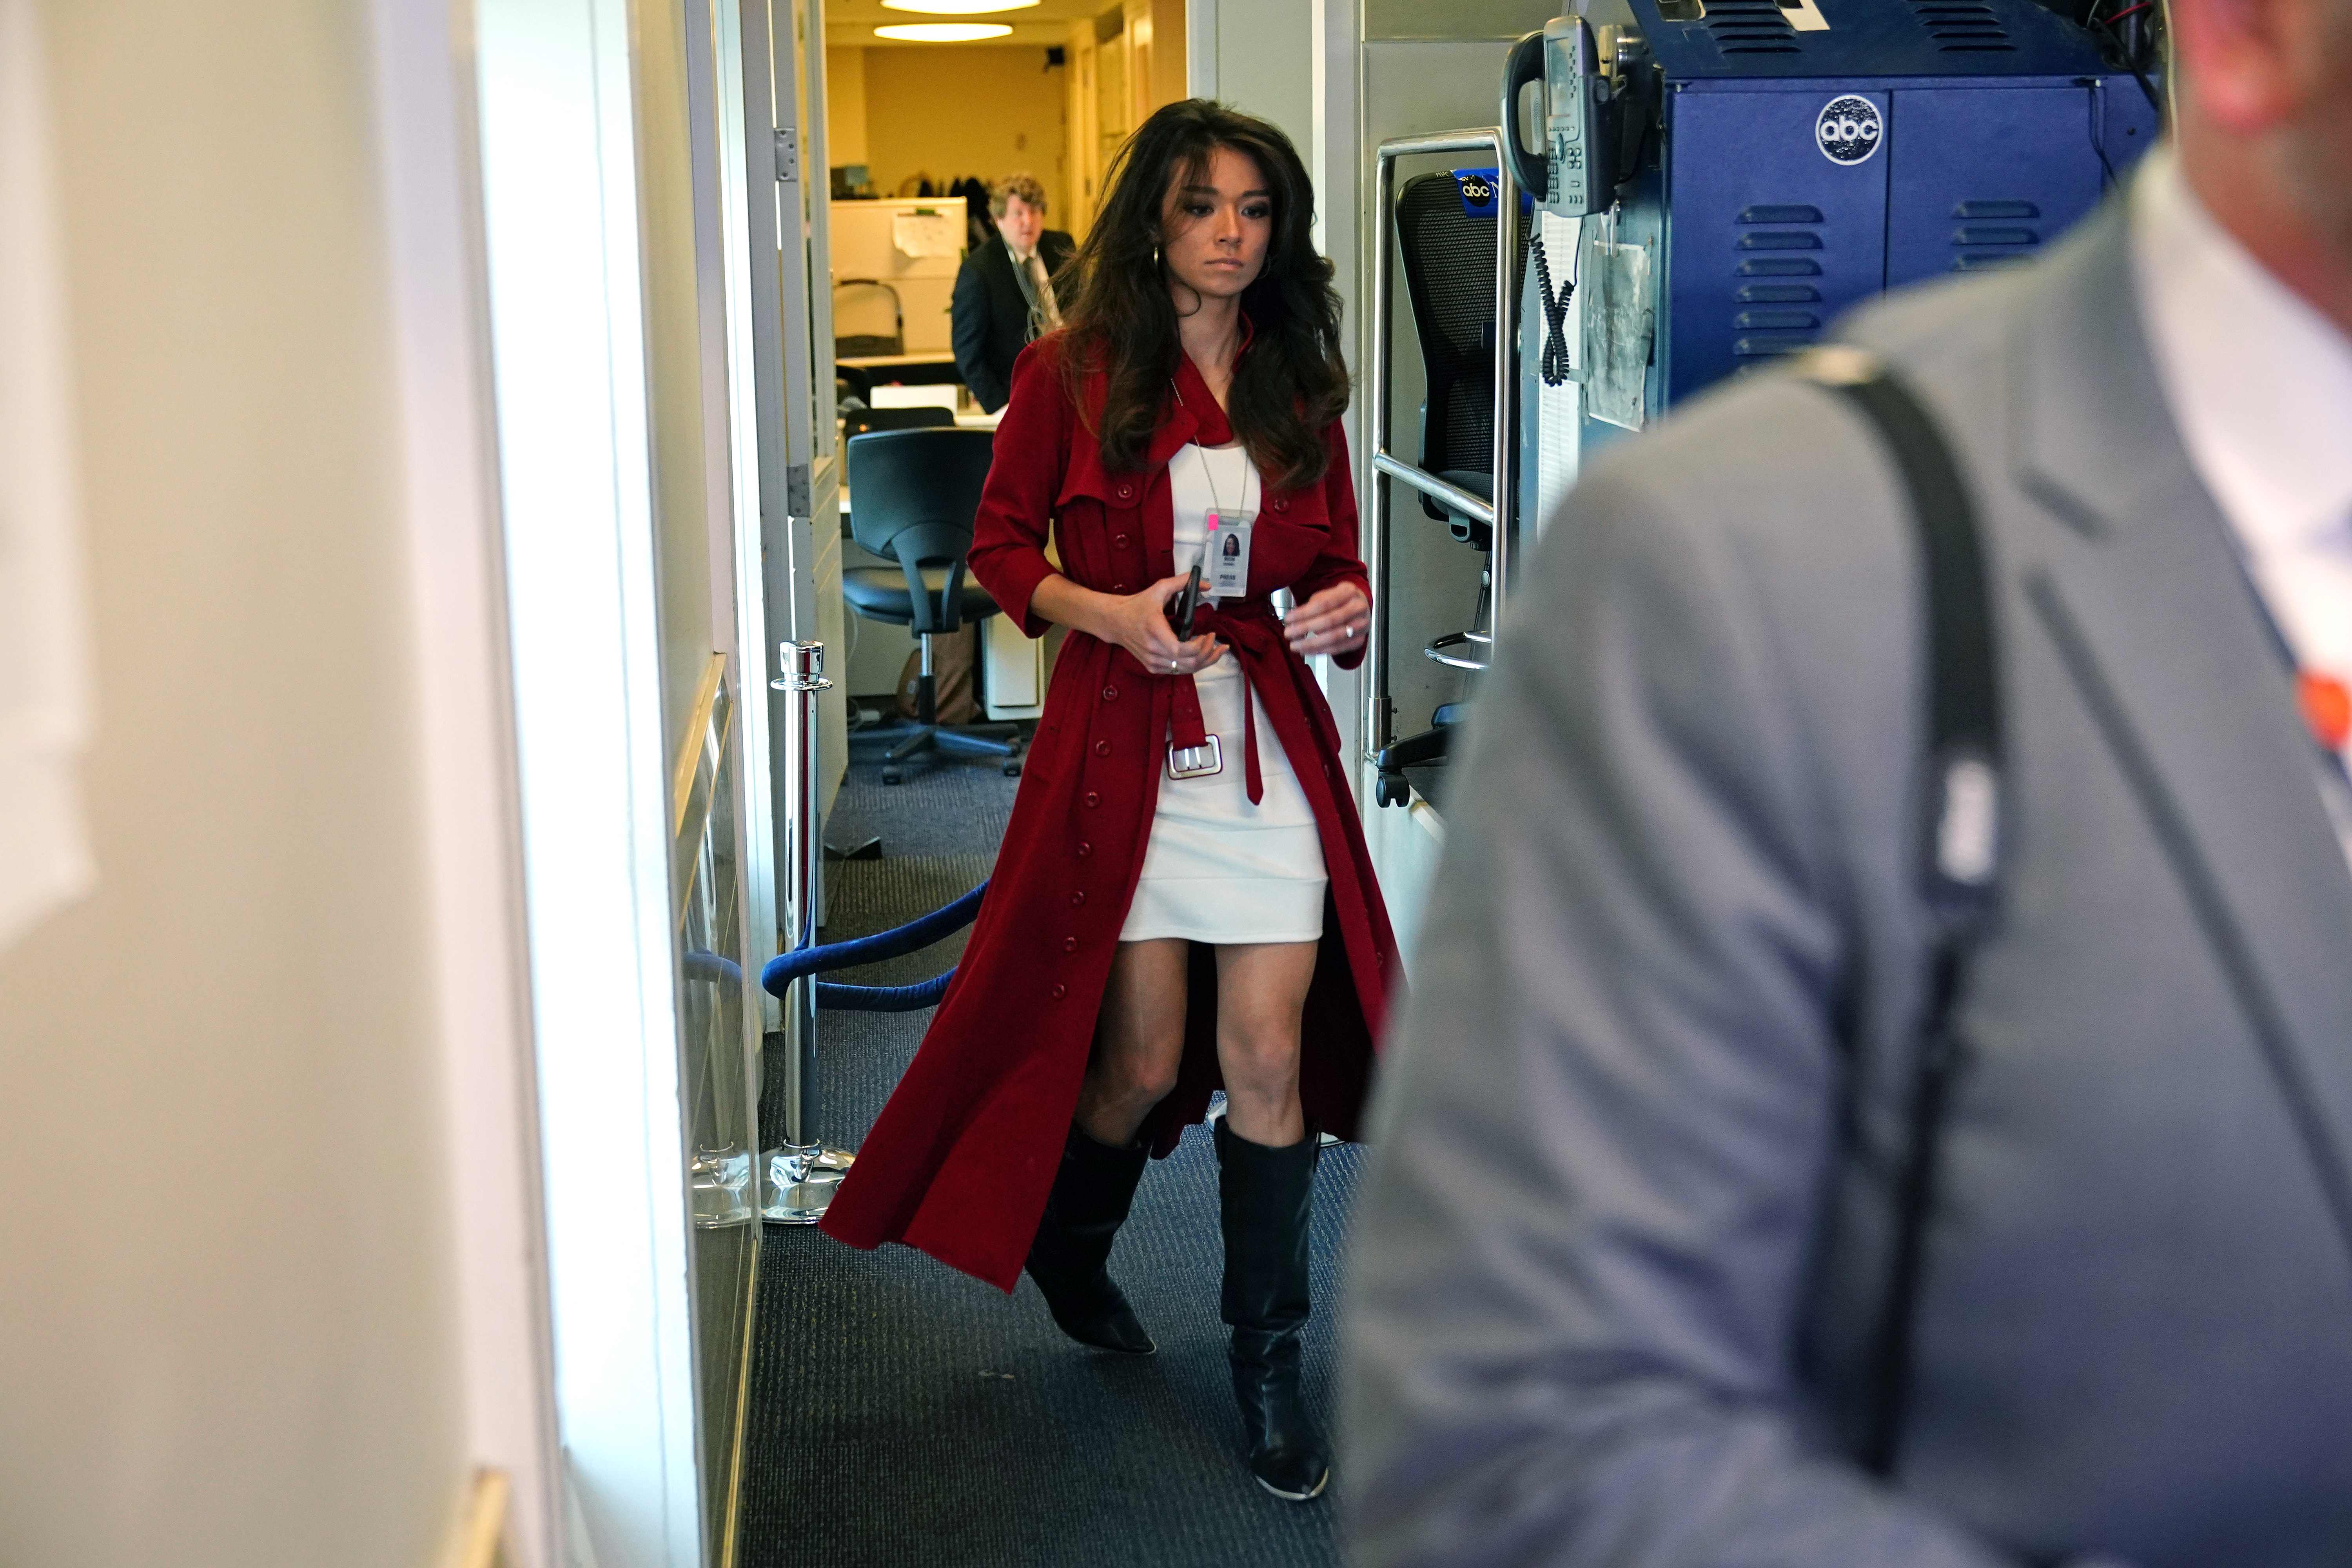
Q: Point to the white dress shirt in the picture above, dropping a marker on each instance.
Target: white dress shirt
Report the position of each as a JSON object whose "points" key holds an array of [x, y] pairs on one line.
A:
{"points": [[2260, 384]]}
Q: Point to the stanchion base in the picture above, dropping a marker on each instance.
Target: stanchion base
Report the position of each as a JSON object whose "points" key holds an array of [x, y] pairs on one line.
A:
{"points": [[723, 1189], [802, 1181]]}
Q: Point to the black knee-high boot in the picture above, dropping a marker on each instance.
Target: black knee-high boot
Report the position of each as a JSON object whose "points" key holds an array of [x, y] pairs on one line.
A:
{"points": [[1070, 1257], [1267, 1196]]}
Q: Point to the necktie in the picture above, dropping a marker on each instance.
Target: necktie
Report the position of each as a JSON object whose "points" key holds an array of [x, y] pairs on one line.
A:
{"points": [[1048, 314]]}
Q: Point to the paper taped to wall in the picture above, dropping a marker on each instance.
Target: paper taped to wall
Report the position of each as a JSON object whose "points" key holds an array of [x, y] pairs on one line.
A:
{"points": [[1620, 321], [44, 706], [924, 233]]}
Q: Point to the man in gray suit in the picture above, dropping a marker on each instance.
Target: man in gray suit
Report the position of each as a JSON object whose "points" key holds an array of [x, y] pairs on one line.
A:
{"points": [[1622, 1257]]}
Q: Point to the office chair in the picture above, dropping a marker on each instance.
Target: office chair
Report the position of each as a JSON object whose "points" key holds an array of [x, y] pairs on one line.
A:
{"points": [[913, 495], [1449, 272], [1448, 252], [858, 421], [867, 345]]}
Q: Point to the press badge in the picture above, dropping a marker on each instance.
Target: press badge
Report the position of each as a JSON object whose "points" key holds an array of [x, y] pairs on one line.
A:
{"points": [[1226, 547]]}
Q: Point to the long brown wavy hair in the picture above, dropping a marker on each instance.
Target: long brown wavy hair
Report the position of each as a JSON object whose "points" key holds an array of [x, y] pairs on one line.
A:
{"points": [[1121, 323]]}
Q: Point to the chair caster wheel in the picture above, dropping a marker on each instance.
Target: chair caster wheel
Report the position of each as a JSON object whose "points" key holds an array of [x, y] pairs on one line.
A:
{"points": [[1391, 790], [1012, 770], [892, 775]]}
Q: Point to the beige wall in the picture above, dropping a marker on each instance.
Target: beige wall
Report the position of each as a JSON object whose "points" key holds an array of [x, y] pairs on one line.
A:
{"points": [[952, 110], [224, 1274], [844, 105], [690, 620], [1155, 32]]}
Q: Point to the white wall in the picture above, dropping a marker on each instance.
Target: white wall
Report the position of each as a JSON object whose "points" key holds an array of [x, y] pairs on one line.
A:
{"points": [[229, 1287], [1261, 54]]}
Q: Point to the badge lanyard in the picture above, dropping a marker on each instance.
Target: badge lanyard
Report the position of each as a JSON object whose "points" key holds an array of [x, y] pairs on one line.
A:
{"points": [[1225, 541]]}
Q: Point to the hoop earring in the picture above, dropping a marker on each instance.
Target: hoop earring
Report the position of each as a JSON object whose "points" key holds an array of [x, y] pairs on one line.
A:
{"points": [[1155, 259]]}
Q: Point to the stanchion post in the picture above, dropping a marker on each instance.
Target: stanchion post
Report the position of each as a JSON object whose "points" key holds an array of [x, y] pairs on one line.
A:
{"points": [[802, 1173]]}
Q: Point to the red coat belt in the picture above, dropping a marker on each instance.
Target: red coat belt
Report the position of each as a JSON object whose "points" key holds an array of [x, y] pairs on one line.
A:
{"points": [[1250, 628]]}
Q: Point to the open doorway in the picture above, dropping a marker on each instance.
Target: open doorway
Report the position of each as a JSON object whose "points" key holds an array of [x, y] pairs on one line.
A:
{"points": [[923, 137], [903, 1410]]}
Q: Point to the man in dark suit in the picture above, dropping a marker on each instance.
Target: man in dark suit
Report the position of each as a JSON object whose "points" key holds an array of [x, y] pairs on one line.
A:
{"points": [[1004, 292]]}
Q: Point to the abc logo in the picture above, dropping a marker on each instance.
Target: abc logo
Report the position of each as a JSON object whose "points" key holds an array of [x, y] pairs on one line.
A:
{"points": [[1849, 130]]}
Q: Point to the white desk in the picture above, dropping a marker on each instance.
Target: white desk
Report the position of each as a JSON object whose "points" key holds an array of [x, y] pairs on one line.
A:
{"points": [[898, 361]]}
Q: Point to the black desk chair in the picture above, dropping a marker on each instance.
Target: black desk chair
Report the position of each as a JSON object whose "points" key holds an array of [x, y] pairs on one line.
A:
{"points": [[930, 416], [1449, 272], [912, 498]]}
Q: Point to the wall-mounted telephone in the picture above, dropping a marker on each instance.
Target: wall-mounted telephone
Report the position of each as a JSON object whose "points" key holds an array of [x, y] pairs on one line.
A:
{"points": [[1585, 101], [1579, 153]]}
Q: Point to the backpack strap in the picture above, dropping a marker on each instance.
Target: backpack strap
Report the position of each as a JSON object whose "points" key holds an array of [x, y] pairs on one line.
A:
{"points": [[1959, 822]]}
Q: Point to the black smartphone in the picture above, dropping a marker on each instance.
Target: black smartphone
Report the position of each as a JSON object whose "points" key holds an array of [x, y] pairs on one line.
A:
{"points": [[1188, 599]]}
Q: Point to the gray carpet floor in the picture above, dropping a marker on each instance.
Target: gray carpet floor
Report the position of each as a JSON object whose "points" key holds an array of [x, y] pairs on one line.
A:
{"points": [[904, 1415]]}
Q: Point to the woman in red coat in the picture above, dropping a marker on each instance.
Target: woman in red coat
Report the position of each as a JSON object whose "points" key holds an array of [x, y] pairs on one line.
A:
{"points": [[1184, 900]]}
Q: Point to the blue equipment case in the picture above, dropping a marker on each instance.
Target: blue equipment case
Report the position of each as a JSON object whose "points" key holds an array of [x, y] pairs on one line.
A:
{"points": [[1806, 169]]}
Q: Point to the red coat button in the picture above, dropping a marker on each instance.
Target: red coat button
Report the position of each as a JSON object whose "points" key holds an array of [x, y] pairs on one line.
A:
{"points": [[1102, 748], [1281, 503], [1069, 944], [1118, 540], [1110, 693], [1078, 897], [1121, 588], [1085, 849], [1060, 992], [1126, 492], [1093, 798]]}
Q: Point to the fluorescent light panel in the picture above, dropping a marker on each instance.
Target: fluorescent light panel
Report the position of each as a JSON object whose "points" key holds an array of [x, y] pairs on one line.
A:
{"points": [[943, 32], [957, 7]]}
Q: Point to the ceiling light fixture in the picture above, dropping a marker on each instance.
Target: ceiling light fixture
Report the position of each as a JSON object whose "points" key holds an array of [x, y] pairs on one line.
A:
{"points": [[943, 32], [957, 7]]}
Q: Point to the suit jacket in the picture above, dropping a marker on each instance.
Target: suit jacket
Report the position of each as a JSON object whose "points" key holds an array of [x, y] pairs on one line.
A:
{"points": [[1624, 1238], [990, 315]]}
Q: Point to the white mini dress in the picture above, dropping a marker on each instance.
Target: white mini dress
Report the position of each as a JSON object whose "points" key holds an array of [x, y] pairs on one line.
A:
{"points": [[1219, 869]]}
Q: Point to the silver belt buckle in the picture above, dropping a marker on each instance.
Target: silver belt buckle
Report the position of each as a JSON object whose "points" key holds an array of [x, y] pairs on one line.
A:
{"points": [[1186, 761]]}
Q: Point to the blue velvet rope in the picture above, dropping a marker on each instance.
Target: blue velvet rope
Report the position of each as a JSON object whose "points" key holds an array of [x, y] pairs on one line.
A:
{"points": [[883, 998], [712, 966], [915, 935]]}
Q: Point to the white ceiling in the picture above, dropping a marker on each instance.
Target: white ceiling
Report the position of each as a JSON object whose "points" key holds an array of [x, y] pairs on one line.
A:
{"points": [[850, 23]]}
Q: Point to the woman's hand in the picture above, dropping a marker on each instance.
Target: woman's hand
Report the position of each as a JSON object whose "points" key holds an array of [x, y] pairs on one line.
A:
{"points": [[1333, 621], [1138, 622]]}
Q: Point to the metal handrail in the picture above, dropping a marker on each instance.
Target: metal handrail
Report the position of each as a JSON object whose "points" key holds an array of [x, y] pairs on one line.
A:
{"points": [[1386, 464], [1436, 651], [1430, 485]]}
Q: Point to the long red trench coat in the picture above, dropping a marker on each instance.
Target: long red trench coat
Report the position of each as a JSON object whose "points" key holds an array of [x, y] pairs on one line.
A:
{"points": [[962, 1157]]}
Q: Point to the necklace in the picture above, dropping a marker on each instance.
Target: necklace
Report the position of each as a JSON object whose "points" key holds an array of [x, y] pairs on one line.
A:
{"points": [[1216, 506], [1209, 477]]}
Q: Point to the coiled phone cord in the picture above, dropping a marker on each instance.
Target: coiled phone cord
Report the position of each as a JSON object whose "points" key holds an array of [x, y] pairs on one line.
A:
{"points": [[1554, 363]]}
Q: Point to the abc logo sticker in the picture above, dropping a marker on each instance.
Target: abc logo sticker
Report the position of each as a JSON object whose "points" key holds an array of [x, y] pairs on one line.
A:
{"points": [[1849, 130]]}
